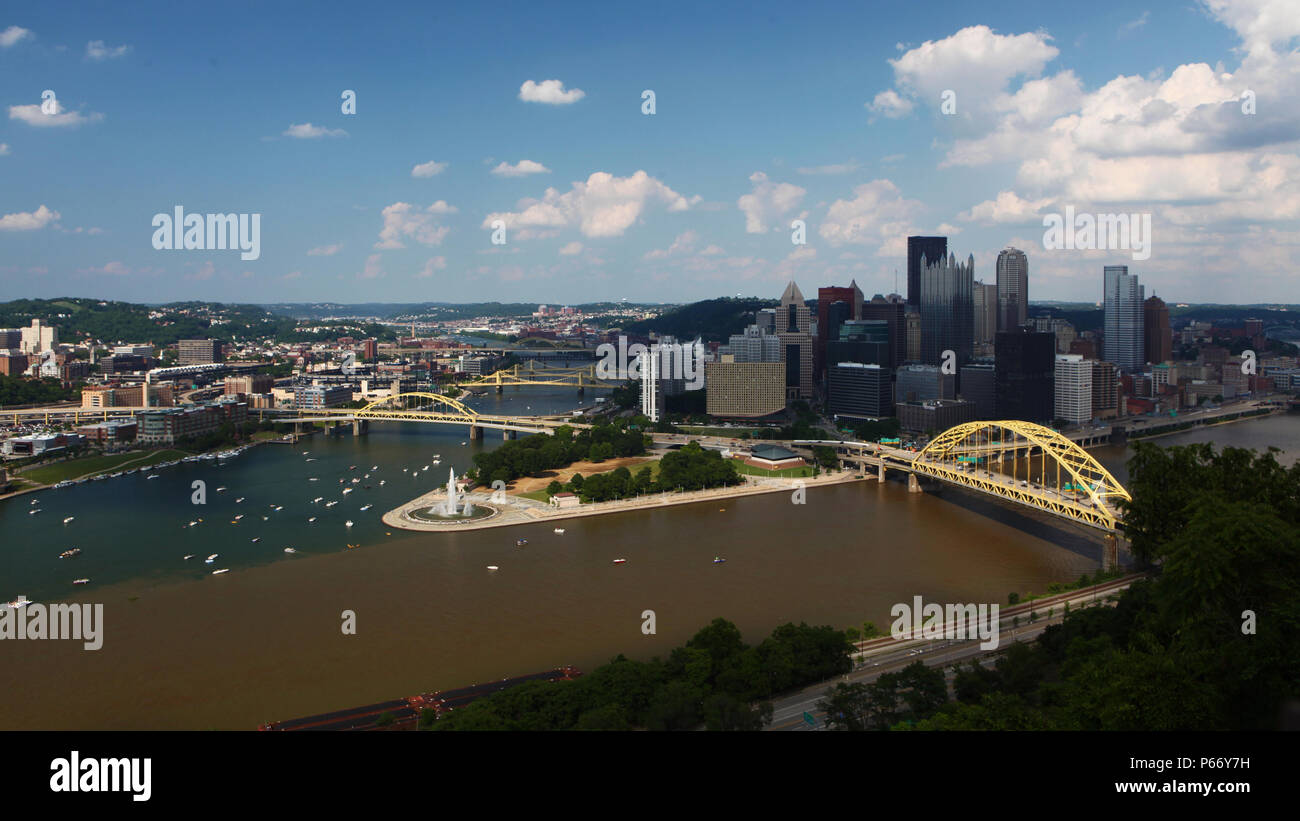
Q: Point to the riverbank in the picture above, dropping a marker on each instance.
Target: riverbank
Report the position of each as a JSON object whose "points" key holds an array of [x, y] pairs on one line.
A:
{"points": [[518, 510]]}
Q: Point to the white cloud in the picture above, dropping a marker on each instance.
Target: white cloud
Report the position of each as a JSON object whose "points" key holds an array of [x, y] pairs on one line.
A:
{"points": [[108, 269], [59, 118], [828, 170], [767, 202], [603, 206], [428, 169], [877, 214], [325, 250], [373, 270], [4, 149], [551, 92], [307, 131], [96, 50], [1134, 25], [571, 249], [433, 264], [889, 104], [684, 243], [13, 35], [1007, 208], [28, 221], [521, 169], [401, 219]]}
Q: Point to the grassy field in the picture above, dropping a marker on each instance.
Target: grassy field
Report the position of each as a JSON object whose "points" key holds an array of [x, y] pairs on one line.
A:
{"points": [[75, 468], [729, 433], [787, 473], [537, 495]]}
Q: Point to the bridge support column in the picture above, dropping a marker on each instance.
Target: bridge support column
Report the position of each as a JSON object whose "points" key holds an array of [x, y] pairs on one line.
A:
{"points": [[475, 432], [1110, 552], [360, 426], [880, 471], [500, 389], [913, 486], [509, 434]]}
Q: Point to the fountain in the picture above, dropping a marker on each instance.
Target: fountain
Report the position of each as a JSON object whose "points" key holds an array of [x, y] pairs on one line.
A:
{"points": [[454, 506]]}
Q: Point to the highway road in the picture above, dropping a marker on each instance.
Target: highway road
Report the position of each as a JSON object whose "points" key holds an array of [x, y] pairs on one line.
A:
{"points": [[890, 656]]}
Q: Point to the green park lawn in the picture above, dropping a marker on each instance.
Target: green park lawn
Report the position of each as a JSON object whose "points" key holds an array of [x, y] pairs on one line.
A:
{"points": [[89, 466]]}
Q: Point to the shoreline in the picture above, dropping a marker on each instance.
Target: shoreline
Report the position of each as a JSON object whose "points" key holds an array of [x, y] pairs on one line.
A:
{"points": [[516, 510]]}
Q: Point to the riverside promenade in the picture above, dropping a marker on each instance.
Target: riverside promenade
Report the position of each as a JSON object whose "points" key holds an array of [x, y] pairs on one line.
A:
{"points": [[516, 510]]}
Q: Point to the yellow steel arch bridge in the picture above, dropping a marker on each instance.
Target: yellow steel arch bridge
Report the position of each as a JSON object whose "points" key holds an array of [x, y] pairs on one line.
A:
{"points": [[1028, 464], [540, 374], [419, 406]]}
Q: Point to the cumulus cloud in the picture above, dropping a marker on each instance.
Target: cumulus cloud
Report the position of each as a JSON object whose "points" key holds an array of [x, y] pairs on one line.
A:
{"points": [[571, 249], [767, 202], [59, 116], [433, 264], [325, 250], [602, 206], [96, 50], [373, 269], [307, 131], [403, 220], [521, 169], [684, 243], [28, 221], [889, 104], [428, 169], [878, 213], [13, 35], [551, 92], [1006, 208]]}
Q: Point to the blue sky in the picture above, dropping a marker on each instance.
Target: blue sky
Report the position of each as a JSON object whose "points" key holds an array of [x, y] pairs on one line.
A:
{"points": [[765, 113]]}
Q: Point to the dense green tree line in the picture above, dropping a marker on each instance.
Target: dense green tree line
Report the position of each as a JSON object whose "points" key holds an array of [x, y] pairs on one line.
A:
{"points": [[1211, 642], [15, 390], [547, 451], [691, 468], [711, 682]]}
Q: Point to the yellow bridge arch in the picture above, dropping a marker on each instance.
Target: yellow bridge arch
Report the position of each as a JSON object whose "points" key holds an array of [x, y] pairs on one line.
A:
{"points": [[1089, 493], [383, 408]]}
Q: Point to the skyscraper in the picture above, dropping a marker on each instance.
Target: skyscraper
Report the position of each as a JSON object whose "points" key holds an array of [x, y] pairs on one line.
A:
{"points": [[1073, 379], [891, 313], [794, 329], [1123, 298], [1024, 370], [947, 310], [1158, 345], [985, 301], [849, 302], [932, 248], [1013, 288]]}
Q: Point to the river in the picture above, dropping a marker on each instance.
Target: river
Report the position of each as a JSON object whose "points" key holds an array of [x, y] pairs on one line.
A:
{"points": [[183, 649]]}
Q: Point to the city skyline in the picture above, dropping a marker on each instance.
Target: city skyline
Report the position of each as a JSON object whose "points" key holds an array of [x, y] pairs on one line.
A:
{"points": [[600, 201]]}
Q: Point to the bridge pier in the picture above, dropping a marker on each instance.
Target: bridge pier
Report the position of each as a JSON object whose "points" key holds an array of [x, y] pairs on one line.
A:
{"points": [[475, 432], [1110, 552], [913, 486], [500, 389], [880, 471], [360, 426], [507, 435]]}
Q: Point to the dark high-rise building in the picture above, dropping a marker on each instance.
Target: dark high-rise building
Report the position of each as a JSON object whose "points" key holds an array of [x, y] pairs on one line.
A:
{"points": [[932, 248], [864, 341], [1159, 337], [947, 309], [858, 390], [979, 385], [891, 313], [830, 317], [1013, 289], [1024, 372]]}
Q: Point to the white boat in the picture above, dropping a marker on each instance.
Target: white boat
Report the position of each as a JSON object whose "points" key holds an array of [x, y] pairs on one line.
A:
{"points": [[330, 504], [33, 512], [211, 559], [348, 523], [240, 516], [620, 561], [356, 481], [313, 479], [493, 567], [311, 460], [81, 581], [426, 467], [305, 452], [222, 570], [188, 556], [240, 499], [312, 519], [346, 491], [18, 603], [152, 476], [221, 490], [381, 482], [192, 524], [437, 461], [559, 530], [256, 540], [70, 518], [374, 467], [366, 507], [278, 508], [317, 499], [290, 550]]}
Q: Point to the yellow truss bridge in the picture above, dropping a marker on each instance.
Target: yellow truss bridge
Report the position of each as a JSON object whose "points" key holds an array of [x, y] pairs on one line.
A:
{"points": [[1028, 464], [418, 406], [540, 374]]}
